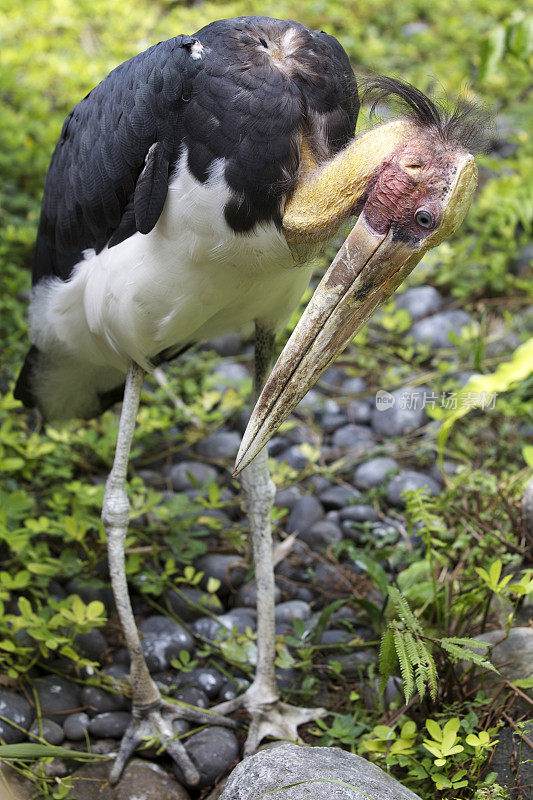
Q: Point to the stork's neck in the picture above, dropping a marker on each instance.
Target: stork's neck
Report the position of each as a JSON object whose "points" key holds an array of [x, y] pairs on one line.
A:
{"points": [[327, 194]]}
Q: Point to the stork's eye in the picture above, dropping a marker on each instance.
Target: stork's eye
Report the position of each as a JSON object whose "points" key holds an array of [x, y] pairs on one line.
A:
{"points": [[424, 218]]}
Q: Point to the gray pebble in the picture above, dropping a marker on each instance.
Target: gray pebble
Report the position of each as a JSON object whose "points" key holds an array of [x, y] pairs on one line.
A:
{"points": [[76, 726], [333, 376], [419, 301], [229, 345], [435, 330], [193, 696], [97, 700], [207, 628], [180, 475], [291, 610], [50, 731], [92, 644], [337, 497], [406, 481], [277, 445], [405, 413], [209, 680], [230, 689], [362, 513], [294, 457], [15, 708], [110, 724], [330, 422], [306, 511], [352, 437], [213, 751], [220, 445], [322, 534], [286, 498], [374, 472], [163, 640], [57, 696], [229, 373], [354, 385], [359, 412], [228, 569], [240, 618], [190, 603], [247, 594]]}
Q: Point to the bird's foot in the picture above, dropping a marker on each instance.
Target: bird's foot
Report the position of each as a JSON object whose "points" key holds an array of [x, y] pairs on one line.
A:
{"points": [[269, 716], [156, 721]]}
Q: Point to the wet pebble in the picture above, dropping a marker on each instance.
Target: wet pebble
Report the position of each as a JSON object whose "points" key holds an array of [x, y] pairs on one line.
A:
{"points": [[374, 472], [286, 498], [47, 729], [291, 610], [322, 534], [230, 689], [419, 301], [163, 640], [207, 679], [352, 437], [337, 497], [219, 445], [92, 644], [110, 724], [406, 481], [76, 725], [190, 474], [229, 345], [362, 513], [191, 603], [359, 412], [247, 594], [294, 457], [306, 511], [405, 413], [240, 618], [213, 751], [194, 696], [57, 696], [15, 708], [228, 569], [354, 385], [97, 700], [435, 330]]}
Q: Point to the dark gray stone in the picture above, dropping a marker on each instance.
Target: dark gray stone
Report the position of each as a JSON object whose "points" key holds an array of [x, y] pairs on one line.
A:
{"points": [[46, 729], [335, 636], [277, 445], [435, 330], [374, 472], [419, 301], [320, 773], [362, 513], [513, 762], [330, 422], [110, 724], [213, 751], [163, 640], [286, 498], [57, 697], [207, 679], [247, 594], [352, 437], [354, 385], [337, 497], [512, 657], [142, 779], [229, 345], [294, 457], [97, 700], [15, 708], [207, 628], [191, 603], [228, 569], [231, 688], [180, 475], [405, 413], [240, 618], [306, 511], [220, 445], [359, 412], [322, 534], [408, 480], [76, 726], [92, 644], [291, 610], [228, 374], [194, 696], [333, 376], [353, 664]]}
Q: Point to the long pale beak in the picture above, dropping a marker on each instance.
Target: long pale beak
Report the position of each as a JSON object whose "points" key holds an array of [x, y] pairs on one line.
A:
{"points": [[368, 268]]}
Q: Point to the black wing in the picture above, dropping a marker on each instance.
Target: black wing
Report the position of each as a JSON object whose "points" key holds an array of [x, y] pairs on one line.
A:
{"points": [[245, 95]]}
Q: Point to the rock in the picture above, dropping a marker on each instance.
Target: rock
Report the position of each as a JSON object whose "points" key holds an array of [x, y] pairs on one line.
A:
{"points": [[333, 376], [142, 780], [419, 301], [48, 730], [294, 457], [354, 664], [207, 679], [97, 700], [435, 330], [231, 688], [110, 724], [286, 498], [92, 644], [13, 786], [193, 696], [76, 726], [408, 480], [191, 603], [240, 618], [227, 374], [228, 569], [354, 385], [291, 610], [207, 628], [320, 773], [15, 708], [523, 263], [374, 472], [512, 760], [163, 640], [362, 513], [359, 412], [338, 497], [220, 444], [58, 697], [352, 437], [213, 751], [180, 475], [229, 345], [322, 534], [247, 594], [512, 657], [306, 511], [403, 413]]}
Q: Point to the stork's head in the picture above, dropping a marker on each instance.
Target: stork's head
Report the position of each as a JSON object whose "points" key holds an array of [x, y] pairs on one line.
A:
{"points": [[412, 199]]}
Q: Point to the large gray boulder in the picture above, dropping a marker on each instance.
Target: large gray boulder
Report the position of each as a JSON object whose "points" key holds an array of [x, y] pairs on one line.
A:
{"points": [[292, 772]]}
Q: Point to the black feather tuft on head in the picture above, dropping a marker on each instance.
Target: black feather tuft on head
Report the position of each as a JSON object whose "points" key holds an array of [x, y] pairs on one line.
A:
{"points": [[466, 125]]}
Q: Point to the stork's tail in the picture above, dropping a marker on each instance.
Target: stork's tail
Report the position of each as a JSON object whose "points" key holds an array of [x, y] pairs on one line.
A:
{"points": [[63, 387]]}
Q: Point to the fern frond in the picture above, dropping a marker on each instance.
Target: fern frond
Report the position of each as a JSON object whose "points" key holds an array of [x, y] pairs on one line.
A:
{"points": [[387, 658], [404, 612], [406, 667], [465, 654]]}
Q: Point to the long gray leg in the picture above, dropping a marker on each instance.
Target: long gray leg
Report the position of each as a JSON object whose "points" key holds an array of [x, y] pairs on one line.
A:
{"points": [[150, 713], [270, 717]]}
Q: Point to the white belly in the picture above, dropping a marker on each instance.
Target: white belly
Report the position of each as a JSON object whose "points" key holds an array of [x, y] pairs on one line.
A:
{"points": [[189, 279]]}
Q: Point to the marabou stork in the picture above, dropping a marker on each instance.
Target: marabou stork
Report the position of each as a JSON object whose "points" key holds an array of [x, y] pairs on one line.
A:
{"points": [[186, 196]]}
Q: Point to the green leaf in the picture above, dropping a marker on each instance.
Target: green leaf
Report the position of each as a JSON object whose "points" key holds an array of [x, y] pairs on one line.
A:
{"points": [[387, 658], [406, 667], [30, 751]]}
